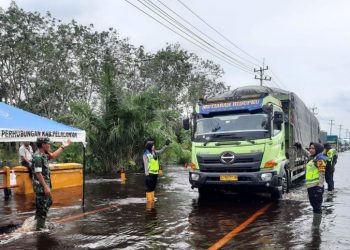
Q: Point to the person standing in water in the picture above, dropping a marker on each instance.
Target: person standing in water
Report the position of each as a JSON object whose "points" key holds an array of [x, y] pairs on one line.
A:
{"points": [[315, 176], [332, 157], [41, 178], [151, 164]]}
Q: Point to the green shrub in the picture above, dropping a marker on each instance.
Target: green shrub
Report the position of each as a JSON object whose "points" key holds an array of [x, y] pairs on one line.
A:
{"points": [[176, 154]]}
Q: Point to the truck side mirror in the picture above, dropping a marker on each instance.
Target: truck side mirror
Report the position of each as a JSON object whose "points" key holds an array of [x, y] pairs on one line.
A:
{"points": [[186, 123], [278, 117]]}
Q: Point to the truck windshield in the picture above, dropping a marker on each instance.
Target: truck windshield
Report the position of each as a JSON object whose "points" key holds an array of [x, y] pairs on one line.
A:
{"points": [[245, 125]]}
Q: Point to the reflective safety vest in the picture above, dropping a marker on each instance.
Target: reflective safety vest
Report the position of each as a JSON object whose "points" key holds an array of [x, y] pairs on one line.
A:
{"points": [[153, 165], [330, 155], [312, 173]]}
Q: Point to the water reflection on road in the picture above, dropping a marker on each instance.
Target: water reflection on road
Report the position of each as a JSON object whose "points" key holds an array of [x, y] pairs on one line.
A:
{"points": [[117, 217]]}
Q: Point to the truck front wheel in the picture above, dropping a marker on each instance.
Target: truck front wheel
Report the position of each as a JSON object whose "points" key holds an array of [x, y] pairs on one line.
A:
{"points": [[286, 182], [284, 187], [276, 194]]}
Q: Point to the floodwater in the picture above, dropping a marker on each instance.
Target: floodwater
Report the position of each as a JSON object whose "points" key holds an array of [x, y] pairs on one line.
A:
{"points": [[116, 217]]}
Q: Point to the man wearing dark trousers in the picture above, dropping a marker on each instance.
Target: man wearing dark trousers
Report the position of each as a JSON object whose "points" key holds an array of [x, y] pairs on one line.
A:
{"points": [[332, 157]]}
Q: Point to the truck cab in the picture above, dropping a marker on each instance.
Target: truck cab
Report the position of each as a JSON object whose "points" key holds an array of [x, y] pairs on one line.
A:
{"points": [[239, 142]]}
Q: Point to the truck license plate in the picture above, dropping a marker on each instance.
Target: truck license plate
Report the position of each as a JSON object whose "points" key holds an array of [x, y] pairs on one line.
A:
{"points": [[228, 178]]}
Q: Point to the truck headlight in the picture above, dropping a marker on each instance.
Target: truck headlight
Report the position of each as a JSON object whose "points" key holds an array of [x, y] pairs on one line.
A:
{"points": [[266, 176], [194, 176]]}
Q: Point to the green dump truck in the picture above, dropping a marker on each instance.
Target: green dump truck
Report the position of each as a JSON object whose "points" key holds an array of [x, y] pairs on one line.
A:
{"points": [[244, 140]]}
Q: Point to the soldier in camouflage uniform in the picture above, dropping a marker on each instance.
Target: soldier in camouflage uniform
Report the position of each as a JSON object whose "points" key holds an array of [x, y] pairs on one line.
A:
{"points": [[41, 178]]}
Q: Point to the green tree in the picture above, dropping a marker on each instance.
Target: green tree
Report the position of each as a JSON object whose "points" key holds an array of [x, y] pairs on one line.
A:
{"points": [[120, 94]]}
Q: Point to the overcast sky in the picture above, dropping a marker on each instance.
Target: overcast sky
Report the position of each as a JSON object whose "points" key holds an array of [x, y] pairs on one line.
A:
{"points": [[306, 43]]}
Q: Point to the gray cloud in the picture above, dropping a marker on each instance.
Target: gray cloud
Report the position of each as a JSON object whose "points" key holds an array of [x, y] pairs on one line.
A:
{"points": [[305, 42]]}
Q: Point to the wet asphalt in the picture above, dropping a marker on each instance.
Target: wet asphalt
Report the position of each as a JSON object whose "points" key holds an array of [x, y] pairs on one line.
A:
{"points": [[116, 217]]}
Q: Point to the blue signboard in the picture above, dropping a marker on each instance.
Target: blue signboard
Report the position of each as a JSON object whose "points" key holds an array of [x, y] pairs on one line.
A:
{"points": [[230, 106]]}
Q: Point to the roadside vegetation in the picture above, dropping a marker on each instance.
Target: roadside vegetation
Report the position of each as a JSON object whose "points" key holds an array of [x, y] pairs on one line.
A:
{"points": [[98, 81]]}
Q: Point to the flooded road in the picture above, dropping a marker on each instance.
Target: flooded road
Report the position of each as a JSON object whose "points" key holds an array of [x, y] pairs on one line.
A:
{"points": [[116, 217]]}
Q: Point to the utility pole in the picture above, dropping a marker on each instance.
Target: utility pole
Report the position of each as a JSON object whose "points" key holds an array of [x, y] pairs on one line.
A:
{"points": [[261, 76], [340, 126], [313, 110], [332, 123]]}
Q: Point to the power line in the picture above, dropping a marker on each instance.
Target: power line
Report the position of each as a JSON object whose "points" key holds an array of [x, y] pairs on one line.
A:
{"points": [[270, 84], [178, 25], [219, 33], [189, 39], [274, 83], [277, 83], [207, 36], [278, 79], [200, 42]]}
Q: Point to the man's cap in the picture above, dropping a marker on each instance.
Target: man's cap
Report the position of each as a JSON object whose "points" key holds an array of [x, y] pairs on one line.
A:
{"points": [[43, 140]]}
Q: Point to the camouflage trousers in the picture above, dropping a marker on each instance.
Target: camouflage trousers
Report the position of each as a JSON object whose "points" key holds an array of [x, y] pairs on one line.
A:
{"points": [[42, 204]]}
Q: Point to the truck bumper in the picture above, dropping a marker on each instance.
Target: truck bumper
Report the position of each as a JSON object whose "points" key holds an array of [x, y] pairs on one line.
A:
{"points": [[251, 181]]}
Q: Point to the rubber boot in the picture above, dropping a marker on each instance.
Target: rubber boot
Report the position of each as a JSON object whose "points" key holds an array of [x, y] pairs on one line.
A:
{"points": [[149, 196], [40, 223], [149, 202], [123, 177], [153, 198], [149, 206]]}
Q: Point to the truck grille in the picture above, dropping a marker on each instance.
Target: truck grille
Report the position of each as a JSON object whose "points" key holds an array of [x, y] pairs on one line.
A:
{"points": [[218, 161], [242, 163]]}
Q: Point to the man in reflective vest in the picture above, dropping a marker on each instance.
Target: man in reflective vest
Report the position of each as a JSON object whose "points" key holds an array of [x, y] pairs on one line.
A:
{"points": [[332, 157], [315, 175], [151, 163]]}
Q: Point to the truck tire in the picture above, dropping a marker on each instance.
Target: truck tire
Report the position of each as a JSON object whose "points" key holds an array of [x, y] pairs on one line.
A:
{"points": [[286, 182], [278, 194]]}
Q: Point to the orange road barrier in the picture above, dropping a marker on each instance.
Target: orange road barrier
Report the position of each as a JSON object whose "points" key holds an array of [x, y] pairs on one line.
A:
{"points": [[238, 229], [7, 176], [122, 175], [63, 175], [81, 215]]}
